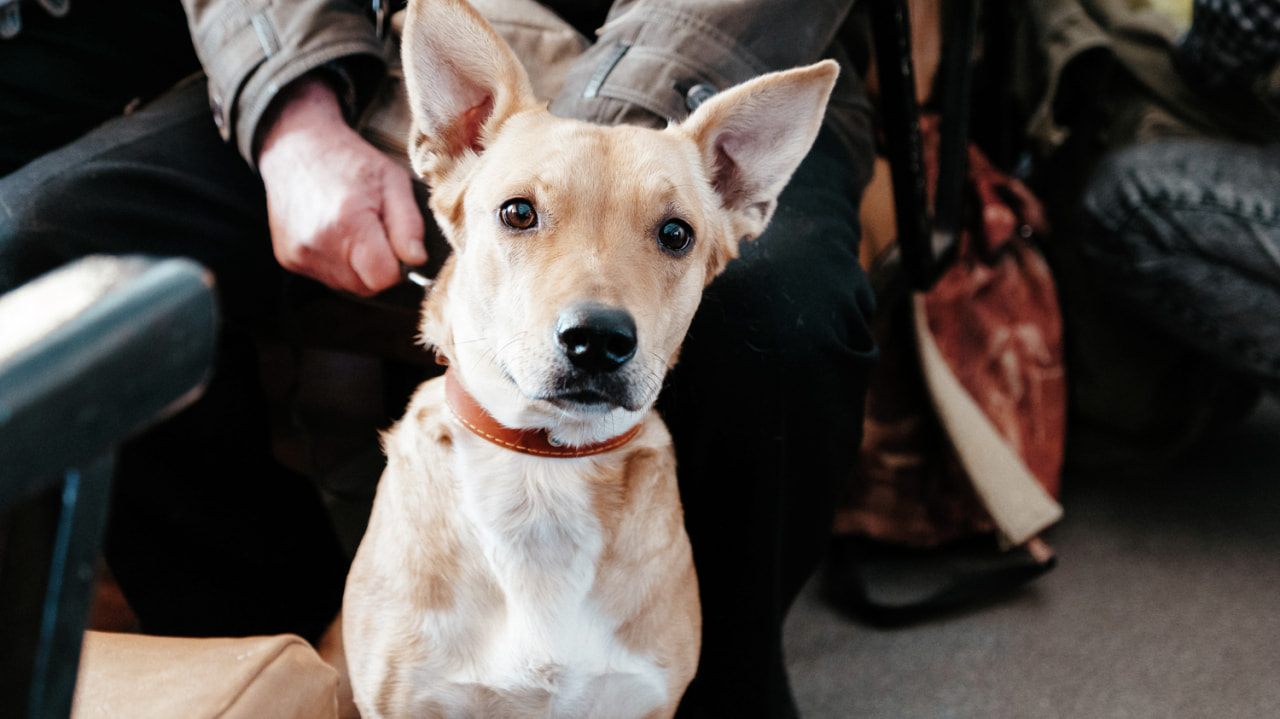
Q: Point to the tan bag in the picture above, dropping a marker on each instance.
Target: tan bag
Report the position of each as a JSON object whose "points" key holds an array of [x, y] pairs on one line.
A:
{"points": [[146, 677]]}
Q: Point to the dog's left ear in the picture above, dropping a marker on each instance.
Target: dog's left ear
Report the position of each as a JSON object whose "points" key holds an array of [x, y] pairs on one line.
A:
{"points": [[754, 135], [463, 82]]}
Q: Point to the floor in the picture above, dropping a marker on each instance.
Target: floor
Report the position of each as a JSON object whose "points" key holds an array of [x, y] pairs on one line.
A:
{"points": [[1165, 605]]}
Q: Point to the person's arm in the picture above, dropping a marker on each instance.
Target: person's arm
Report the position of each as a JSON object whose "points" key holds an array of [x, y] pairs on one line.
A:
{"points": [[656, 60], [253, 49], [340, 212]]}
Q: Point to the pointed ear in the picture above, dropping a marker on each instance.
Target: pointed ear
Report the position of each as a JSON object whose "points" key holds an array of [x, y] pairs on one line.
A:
{"points": [[463, 82], [753, 136]]}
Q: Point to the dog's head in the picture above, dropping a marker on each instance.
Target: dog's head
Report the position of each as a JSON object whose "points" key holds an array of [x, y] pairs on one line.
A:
{"points": [[580, 252]]}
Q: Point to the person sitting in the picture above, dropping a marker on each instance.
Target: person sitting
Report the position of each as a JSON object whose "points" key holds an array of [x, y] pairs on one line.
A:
{"points": [[224, 134]]}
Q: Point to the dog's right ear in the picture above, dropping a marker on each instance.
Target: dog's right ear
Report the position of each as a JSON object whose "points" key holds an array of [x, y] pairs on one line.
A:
{"points": [[463, 83]]}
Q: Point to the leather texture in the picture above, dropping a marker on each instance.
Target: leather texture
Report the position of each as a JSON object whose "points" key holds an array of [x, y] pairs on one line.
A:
{"points": [[525, 441]]}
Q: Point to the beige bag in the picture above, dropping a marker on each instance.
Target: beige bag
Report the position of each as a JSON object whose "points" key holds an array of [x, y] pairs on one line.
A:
{"points": [[134, 676]]}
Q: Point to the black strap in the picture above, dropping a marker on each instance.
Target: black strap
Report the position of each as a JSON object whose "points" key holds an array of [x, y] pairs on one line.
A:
{"points": [[900, 117], [953, 146]]}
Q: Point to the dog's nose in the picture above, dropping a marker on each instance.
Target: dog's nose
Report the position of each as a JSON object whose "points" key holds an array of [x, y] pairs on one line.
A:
{"points": [[596, 337]]}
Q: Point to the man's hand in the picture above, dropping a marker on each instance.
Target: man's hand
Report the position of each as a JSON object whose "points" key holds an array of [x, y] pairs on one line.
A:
{"points": [[340, 211]]}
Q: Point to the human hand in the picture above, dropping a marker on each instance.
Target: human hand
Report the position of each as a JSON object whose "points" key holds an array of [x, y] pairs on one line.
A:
{"points": [[339, 210]]}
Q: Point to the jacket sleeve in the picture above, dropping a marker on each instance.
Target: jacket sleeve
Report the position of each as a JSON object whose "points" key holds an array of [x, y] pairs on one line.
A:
{"points": [[251, 49], [656, 60]]}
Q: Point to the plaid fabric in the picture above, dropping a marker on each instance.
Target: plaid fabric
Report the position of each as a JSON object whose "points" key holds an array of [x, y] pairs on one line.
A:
{"points": [[1231, 42]]}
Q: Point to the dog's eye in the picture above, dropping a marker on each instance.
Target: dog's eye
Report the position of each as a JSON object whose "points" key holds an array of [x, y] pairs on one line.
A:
{"points": [[676, 236], [518, 214]]}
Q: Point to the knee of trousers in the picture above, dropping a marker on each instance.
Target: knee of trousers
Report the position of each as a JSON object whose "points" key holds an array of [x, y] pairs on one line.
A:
{"points": [[788, 319], [1128, 211], [27, 222], [1182, 199], [781, 348]]}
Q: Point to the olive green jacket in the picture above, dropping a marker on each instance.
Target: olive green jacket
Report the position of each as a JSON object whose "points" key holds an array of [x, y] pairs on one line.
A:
{"points": [[1117, 55], [651, 60], [250, 49]]}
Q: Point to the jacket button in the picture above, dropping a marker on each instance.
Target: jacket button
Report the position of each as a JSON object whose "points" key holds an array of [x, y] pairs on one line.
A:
{"points": [[215, 104], [698, 94]]}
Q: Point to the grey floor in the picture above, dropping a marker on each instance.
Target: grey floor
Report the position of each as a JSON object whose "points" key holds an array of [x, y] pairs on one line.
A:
{"points": [[1165, 605]]}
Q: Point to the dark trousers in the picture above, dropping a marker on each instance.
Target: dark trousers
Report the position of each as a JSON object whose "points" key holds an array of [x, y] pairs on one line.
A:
{"points": [[1185, 235], [765, 408], [210, 536]]}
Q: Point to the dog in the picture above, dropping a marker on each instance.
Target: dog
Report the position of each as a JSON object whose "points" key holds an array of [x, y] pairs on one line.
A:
{"points": [[526, 553]]}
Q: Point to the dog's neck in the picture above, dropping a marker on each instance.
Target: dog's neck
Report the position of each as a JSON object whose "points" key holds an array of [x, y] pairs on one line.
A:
{"points": [[537, 442]]}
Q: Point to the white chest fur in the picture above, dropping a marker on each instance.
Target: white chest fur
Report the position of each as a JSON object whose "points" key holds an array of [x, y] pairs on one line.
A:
{"points": [[497, 584], [529, 528]]}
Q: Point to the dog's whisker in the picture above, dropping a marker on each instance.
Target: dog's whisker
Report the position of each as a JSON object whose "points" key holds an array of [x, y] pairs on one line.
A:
{"points": [[516, 341], [475, 340]]}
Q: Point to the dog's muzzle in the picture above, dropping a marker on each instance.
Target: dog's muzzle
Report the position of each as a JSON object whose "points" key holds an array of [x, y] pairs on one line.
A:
{"points": [[598, 341]]}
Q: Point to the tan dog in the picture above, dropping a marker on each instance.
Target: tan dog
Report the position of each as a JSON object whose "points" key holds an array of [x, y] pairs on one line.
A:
{"points": [[526, 555]]}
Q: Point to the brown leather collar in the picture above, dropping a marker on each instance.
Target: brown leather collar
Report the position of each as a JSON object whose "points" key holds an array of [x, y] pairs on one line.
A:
{"points": [[526, 441]]}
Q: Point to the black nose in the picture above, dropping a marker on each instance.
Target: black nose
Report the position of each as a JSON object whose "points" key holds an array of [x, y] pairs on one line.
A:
{"points": [[596, 337]]}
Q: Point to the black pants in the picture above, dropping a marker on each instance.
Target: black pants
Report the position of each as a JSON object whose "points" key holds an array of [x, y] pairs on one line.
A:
{"points": [[210, 536], [765, 408]]}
